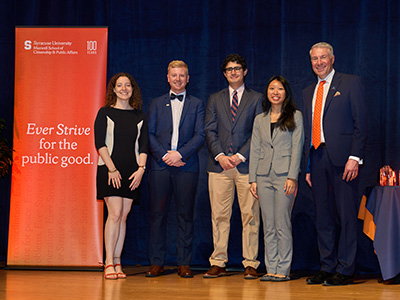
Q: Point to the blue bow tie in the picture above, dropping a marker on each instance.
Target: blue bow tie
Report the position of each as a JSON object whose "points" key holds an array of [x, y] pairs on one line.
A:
{"points": [[179, 97]]}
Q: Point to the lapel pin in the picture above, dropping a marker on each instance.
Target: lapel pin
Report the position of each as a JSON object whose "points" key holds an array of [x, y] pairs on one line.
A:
{"points": [[337, 94]]}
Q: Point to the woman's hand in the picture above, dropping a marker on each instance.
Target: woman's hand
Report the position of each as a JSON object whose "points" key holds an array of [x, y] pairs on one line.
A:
{"points": [[290, 186], [253, 189], [114, 178], [136, 178]]}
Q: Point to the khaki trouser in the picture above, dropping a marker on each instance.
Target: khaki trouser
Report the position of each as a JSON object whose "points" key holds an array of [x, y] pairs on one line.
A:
{"points": [[222, 191]]}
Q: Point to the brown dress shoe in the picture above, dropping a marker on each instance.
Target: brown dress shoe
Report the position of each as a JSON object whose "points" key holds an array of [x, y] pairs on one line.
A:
{"points": [[250, 273], [184, 271], [215, 272], [154, 271]]}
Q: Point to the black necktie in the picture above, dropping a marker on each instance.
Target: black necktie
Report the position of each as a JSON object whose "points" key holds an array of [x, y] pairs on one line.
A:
{"points": [[179, 97]]}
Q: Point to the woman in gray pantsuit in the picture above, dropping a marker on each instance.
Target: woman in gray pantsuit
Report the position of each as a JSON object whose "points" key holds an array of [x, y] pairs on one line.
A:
{"points": [[275, 154]]}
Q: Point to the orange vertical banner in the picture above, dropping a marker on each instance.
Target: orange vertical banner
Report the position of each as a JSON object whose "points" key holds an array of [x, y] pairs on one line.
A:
{"points": [[60, 79]]}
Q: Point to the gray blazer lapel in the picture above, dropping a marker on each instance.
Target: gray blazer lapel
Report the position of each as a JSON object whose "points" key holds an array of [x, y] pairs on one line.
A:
{"points": [[226, 103], [266, 123], [242, 106]]}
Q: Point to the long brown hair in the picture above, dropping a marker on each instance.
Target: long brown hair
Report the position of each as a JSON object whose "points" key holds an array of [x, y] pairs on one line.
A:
{"points": [[135, 100]]}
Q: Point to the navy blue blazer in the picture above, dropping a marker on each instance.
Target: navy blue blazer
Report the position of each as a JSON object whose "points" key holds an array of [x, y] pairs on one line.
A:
{"points": [[344, 119], [221, 131], [191, 131]]}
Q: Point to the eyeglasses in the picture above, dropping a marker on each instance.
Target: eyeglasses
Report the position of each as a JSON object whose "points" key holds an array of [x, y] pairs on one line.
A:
{"points": [[229, 70]]}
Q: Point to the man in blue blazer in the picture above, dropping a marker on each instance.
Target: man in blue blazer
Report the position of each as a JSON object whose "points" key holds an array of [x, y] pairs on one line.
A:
{"points": [[335, 125], [176, 134], [229, 121]]}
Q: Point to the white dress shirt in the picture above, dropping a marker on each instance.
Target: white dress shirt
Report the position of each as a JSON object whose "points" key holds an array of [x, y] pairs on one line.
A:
{"points": [[176, 107]]}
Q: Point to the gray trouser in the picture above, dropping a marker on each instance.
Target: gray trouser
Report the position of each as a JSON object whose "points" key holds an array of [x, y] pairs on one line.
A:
{"points": [[276, 209]]}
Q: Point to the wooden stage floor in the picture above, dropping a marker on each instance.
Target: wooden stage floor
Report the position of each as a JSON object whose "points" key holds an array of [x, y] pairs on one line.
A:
{"points": [[60, 285]]}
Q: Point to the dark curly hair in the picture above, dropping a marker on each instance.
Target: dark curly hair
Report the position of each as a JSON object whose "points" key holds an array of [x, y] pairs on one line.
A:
{"points": [[286, 119], [135, 101], [234, 58]]}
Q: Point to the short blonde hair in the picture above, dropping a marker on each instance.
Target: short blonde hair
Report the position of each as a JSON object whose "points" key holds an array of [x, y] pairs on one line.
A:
{"points": [[178, 64]]}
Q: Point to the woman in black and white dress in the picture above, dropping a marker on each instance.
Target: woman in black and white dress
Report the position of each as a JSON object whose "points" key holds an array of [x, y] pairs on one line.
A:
{"points": [[121, 138]]}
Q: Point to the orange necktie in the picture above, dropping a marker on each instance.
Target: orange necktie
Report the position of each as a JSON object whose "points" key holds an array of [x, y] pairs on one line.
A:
{"points": [[316, 125]]}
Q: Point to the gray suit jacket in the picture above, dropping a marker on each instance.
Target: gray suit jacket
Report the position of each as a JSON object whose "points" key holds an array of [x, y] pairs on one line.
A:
{"points": [[221, 131], [281, 153]]}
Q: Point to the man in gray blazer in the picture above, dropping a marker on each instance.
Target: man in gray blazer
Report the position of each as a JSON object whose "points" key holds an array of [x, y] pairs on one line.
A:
{"points": [[228, 124]]}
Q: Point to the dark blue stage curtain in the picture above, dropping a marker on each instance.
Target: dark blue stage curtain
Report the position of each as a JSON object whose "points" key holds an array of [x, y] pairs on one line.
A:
{"points": [[274, 37]]}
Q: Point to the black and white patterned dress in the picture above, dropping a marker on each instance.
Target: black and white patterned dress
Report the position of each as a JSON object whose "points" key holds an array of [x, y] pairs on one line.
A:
{"points": [[125, 134]]}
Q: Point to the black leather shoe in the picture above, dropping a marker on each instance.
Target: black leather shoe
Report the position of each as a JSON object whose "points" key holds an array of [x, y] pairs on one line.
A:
{"points": [[319, 278], [338, 279]]}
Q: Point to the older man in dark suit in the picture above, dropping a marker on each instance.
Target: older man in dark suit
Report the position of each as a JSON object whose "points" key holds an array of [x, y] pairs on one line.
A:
{"points": [[229, 122], [176, 134], [335, 136]]}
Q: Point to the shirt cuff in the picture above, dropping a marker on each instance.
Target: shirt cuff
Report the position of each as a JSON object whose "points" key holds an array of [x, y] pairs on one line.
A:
{"points": [[241, 157], [360, 161], [167, 153], [216, 158]]}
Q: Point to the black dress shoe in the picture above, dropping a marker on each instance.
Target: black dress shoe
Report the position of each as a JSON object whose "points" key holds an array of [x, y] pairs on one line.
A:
{"points": [[319, 278], [339, 279]]}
